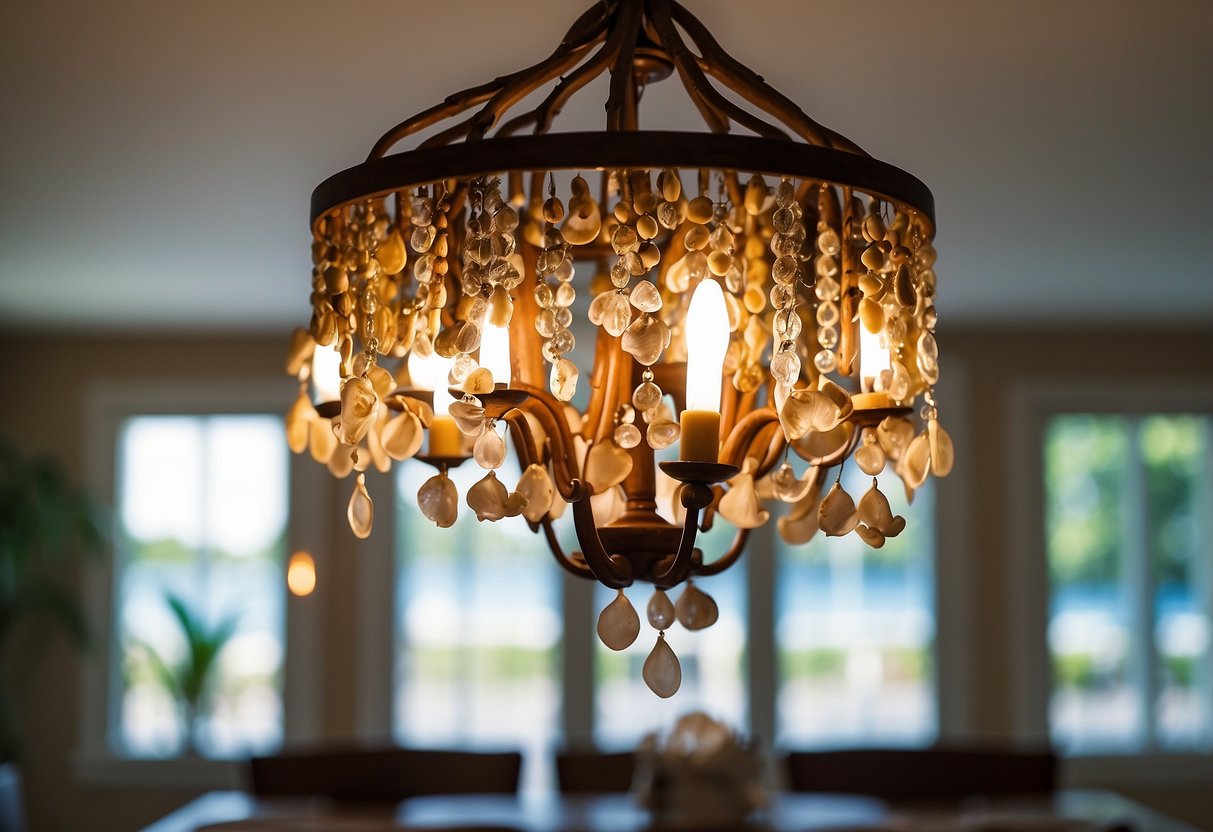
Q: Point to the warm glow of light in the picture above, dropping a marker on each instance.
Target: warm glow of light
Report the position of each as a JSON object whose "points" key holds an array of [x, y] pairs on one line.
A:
{"points": [[433, 373], [495, 352], [326, 374], [707, 333], [301, 574], [873, 358]]}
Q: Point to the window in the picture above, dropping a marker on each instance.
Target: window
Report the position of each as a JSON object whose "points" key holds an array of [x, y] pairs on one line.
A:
{"points": [[480, 628], [202, 510], [854, 630], [1128, 501]]}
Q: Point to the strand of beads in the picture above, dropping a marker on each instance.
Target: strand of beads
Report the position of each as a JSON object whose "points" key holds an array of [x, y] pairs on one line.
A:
{"points": [[555, 303], [827, 288], [786, 244]]}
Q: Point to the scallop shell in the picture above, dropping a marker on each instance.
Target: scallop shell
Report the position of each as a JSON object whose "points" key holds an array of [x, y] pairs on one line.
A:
{"points": [[438, 500], [536, 485]]}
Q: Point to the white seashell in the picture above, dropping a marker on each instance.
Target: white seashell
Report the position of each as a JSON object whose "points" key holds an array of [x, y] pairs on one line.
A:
{"points": [[402, 436], [618, 623], [819, 411], [662, 433], [468, 416], [478, 382], [740, 504], [646, 338], [645, 297], [359, 404], [489, 450], [786, 487], [874, 512], [321, 441], [598, 306], [438, 500], [800, 524], [536, 485], [660, 611], [662, 672], [606, 466], [361, 511], [870, 458], [870, 536], [696, 610], [299, 423], [490, 500], [563, 380], [942, 454], [917, 462], [894, 435], [836, 515]]}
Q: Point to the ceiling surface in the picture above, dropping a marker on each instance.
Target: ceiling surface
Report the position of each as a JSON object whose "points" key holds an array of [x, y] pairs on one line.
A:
{"points": [[156, 158]]}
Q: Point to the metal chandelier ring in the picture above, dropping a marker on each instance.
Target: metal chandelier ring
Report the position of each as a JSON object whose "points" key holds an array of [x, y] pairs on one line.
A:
{"points": [[642, 149]]}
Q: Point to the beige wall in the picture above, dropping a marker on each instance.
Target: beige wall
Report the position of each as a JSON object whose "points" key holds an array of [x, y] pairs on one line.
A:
{"points": [[45, 382]]}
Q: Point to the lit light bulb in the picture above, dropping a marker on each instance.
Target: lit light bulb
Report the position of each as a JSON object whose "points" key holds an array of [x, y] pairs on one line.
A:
{"points": [[495, 352], [707, 333], [326, 374], [873, 360], [433, 373]]}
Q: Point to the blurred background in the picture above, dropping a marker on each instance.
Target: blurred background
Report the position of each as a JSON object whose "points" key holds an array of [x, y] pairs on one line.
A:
{"points": [[155, 167]]}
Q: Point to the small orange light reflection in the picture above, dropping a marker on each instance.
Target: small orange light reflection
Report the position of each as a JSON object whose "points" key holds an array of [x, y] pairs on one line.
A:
{"points": [[301, 574]]}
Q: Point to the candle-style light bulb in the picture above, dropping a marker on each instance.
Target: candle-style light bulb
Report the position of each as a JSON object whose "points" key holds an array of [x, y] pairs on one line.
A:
{"points": [[873, 359], [495, 352], [707, 334], [433, 373], [326, 374]]}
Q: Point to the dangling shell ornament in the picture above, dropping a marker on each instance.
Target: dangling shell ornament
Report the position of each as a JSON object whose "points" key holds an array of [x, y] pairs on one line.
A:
{"points": [[662, 672], [618, 623], [696, 610], [837, 515], [359, 403], [740, 504], [438, 500], [876, 520], [490, 500]]}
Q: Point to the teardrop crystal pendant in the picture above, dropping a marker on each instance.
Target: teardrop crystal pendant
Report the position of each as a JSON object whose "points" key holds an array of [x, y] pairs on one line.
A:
{"points": [[660, 611], [618, 623], [361, 512], [696, 609], [662, 672]]}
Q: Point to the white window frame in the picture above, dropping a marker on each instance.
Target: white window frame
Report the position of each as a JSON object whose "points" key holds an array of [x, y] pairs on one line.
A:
{"points": [[1031, 406], [108, 404]]}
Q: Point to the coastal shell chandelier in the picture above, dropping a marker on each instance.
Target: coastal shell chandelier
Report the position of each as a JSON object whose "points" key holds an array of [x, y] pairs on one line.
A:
{"points": [[761, 309]]}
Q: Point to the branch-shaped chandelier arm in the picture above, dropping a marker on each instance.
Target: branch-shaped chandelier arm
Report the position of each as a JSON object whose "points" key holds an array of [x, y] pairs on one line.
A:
{"points": [[621, 101], [567, 477], [692, 79], [544, 114], [584, 33], [614, 572], [577, 568], [737, 445], [694, 497], [745, 82], [726, 560]]}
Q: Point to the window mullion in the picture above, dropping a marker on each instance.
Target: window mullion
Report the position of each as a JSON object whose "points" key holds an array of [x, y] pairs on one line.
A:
{"points": [[1202, 580], [1137, 581]]}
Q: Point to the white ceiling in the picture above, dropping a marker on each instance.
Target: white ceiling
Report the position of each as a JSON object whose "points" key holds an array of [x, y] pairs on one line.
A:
{"points": [[156, 158]]}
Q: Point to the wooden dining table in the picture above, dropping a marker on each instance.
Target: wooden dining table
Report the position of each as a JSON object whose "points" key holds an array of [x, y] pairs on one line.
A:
{"points": [[1068, 810]]}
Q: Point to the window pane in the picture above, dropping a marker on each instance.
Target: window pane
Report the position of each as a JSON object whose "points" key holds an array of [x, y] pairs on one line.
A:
{"points": [[713, 661], [854, 629], [480, 629], [203, 505], [1094, 703], [1175, 453]]}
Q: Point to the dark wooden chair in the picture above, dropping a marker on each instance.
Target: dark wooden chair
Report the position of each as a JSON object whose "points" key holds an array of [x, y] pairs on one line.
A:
{"points": [[944, 773], [383, 775], [585, 772]]}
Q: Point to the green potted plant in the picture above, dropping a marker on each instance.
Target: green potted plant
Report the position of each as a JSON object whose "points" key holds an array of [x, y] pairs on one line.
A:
{"points": [[190, 679]]}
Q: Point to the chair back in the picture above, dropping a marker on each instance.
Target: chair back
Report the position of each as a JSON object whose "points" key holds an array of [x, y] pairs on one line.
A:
{"points": [[932, 774], [383, 775], [586, 772]]}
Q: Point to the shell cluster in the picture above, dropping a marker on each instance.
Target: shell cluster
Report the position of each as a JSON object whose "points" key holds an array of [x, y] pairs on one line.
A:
{"points": [[807, 269]]}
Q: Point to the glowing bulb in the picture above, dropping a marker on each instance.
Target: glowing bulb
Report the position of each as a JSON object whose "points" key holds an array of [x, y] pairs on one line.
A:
{"points": [[433, 373], [707, 331], [495, 352], [873, 360], [301, 574], [326, 374]]}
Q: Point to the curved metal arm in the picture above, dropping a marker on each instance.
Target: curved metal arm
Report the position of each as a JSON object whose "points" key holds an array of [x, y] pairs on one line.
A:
{"points": [[580, 570], [727, 559], [605, 568], [694, 496], [543, 407]]}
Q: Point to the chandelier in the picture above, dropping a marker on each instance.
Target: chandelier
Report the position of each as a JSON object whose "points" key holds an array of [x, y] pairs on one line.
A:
{"points": [[761, 309]]}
